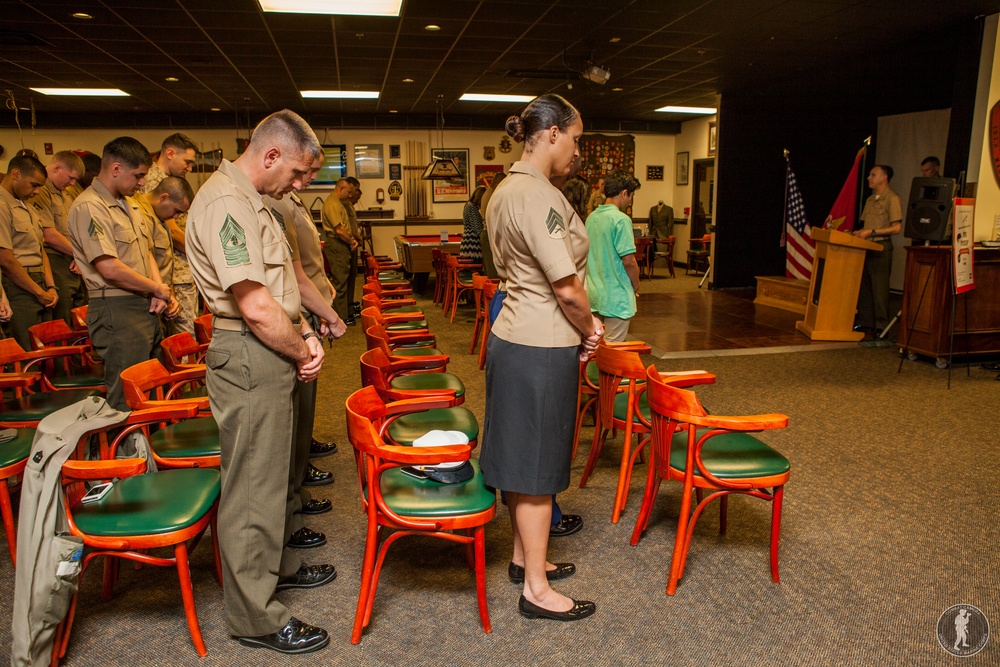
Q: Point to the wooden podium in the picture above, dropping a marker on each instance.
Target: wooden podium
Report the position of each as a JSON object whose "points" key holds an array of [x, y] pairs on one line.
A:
{"points": [[833, 291]]}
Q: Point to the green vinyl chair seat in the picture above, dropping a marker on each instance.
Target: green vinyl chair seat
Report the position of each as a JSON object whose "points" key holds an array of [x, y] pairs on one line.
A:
{"points": [[407, 326], [408, 496], [416, 352], [35, 407], [465, 278], [192, 437], [407, 428], [403, 309], [16, 449], [731, 456], [384, 276], [425, 381], [154, 504], [421, 343], [621, 407], [199, 391], [79, 378], [395, 283]]}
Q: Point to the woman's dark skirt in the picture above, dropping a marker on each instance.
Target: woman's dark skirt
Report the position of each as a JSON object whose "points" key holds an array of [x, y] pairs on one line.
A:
{"points": [[530, 415]]}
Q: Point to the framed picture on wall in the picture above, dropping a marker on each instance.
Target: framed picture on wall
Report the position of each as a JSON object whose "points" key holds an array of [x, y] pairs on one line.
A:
{"points": [[453, 189], [394, 152], [368, 161], [395, 172], [682, 168], [712, 141]]}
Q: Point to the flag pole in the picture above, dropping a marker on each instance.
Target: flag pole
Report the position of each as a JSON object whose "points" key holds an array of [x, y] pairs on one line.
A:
{"points": [[864, 171], [784, 217]]}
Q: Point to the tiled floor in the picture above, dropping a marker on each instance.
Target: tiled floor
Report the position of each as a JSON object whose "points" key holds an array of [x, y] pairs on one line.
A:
{"points": [[714, 323]]}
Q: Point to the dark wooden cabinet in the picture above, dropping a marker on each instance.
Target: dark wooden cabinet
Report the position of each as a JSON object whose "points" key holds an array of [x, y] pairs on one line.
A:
{"points": [[930, 266]]}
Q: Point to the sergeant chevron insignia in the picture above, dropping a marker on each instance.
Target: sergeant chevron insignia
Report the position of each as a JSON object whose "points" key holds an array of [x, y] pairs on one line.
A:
{"points": [[234, 243]]}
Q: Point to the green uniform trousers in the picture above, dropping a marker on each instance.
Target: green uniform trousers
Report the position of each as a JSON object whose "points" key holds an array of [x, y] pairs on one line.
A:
{"points": [[27, 311], [252, 393], [873, 297], [338, 256], [299, 495], [72, 292], [124, 333]]}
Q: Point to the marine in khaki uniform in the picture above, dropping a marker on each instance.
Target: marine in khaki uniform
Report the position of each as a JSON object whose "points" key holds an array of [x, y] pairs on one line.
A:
{"points": [[52, 208], [177, 159], [881, 219], [339, 246], [261, 348], [27, 277], [168, 200], [92, 166], [114, 255], [355, 231], [317, 295]]}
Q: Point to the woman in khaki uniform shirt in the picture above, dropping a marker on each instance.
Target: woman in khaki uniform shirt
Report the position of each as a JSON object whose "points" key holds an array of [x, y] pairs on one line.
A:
{"points": [[543, 330]]}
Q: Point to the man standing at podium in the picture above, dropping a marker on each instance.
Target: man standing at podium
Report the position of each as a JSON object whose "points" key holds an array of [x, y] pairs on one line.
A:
{"points": [[881, 218]]}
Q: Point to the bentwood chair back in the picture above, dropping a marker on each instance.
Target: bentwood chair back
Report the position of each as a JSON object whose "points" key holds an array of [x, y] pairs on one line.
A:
{"points": [[397, 504], [422, 374], [621, 406], [711, 453], [400, 346]]}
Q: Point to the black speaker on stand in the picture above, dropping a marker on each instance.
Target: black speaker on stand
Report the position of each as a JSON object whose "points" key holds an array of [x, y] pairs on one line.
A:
{"points": [[928, 213]]}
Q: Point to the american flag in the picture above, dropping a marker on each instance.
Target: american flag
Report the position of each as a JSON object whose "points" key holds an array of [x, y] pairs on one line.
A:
{"points": [[799, 246]]}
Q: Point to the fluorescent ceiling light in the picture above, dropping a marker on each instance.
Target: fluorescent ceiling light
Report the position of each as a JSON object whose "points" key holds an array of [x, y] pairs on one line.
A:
{"points": [[83, 92], [699, 110], [341, 94], [486, 97], [346, 7]]}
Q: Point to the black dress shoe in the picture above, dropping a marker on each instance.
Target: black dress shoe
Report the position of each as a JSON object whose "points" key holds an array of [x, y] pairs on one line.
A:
{"points": [[991, 366], [318, 449], [295, 637], [316, 477], [308, 576], [317, 506], [569, 524], [350, 321], [516, 573], [581, 609], [306, 538]]}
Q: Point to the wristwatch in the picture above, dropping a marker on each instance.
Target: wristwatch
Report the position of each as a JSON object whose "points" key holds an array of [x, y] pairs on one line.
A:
{"points": [[311, 334]]}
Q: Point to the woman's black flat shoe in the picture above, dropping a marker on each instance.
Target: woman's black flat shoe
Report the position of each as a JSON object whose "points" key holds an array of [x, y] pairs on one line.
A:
{"points": [[563, 570], [581, 609]]}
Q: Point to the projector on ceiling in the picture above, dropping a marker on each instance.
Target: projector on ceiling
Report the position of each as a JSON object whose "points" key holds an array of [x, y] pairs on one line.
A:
{"points": [[596, 74]]}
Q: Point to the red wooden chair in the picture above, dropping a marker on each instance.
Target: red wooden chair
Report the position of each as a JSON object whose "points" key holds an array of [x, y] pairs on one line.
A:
{"points": [[459, 282], [182, 351], [410, 374], [698, 253], [479, 300], [489, 291], [390, 306], [203, 328], [400, 347], [13, 459], [170, 508], [78, 317], [667, 253], [394, 501], [73, 371], [708, 452]]}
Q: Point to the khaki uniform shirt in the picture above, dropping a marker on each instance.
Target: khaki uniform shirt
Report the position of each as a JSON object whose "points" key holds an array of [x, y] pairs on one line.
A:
{"points": [[352, 217], [310, 250], [20, 231], [537, 238], [71, 193], [99, 226], [882, 210], [182, 272], [233, 237], [52, 208], [156, 230], [334, 214]]}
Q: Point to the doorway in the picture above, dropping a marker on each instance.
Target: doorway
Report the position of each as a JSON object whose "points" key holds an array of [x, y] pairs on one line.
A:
{"points": [[702, 197]]}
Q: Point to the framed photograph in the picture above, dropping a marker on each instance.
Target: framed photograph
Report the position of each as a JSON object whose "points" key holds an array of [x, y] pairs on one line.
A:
{"points": [[712, 138], [395, 172], [654, 172], [682, 168], [368, 161], [454, 189], [334, 165], [485, 173], [394, 152]]}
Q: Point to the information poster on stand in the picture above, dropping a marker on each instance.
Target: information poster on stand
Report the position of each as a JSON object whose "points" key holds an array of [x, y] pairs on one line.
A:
{"points": [[961, 244]]}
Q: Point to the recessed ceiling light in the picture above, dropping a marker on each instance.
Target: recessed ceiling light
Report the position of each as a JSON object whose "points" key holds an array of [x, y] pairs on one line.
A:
{"points": [[215, 109], [393, 111], [695, 110], [615, 40], [172, 79], [407, 80], [345, 7], [431, 27], [488, 97], [341, 94], [82, 92], [616, 90], [82, 16]]}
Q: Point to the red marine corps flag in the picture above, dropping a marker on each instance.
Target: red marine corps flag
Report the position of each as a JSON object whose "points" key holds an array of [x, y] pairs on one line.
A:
{"points": [[844, 212], [799, 246]]}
